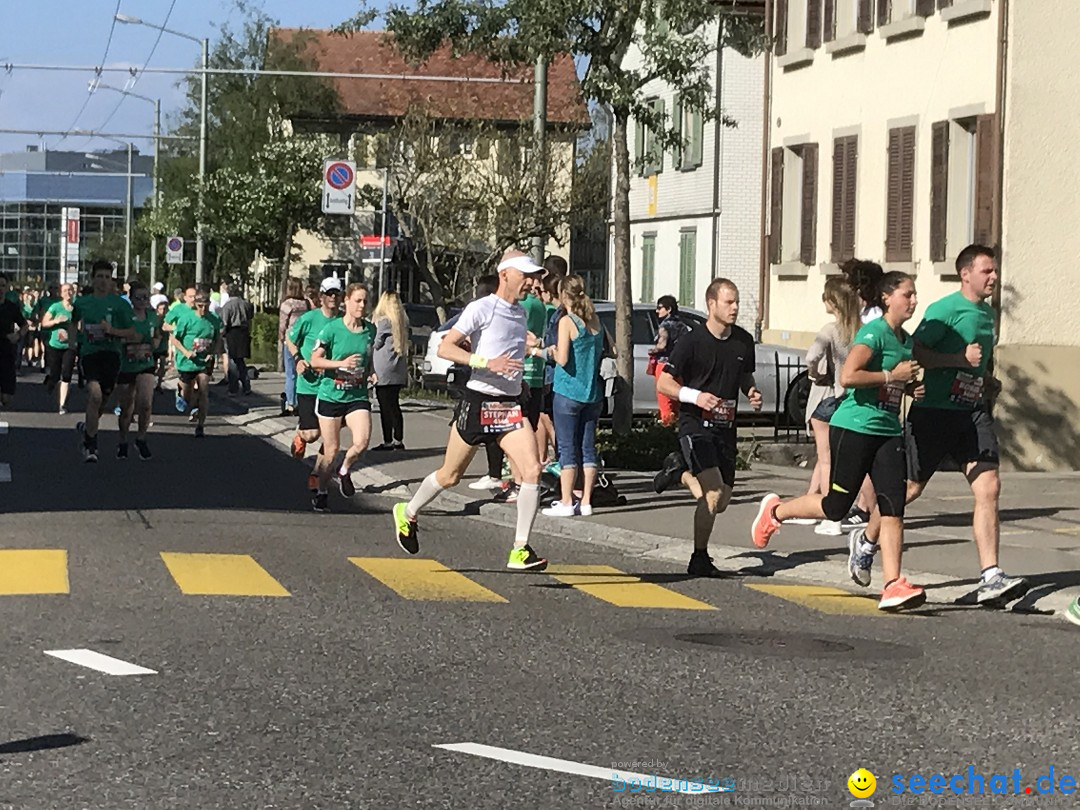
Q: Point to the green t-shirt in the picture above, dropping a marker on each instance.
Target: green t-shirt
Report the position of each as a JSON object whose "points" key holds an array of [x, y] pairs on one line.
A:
{"points": [[535, 321], [139, 353], [58, 310], [949, 327], [303, 334], [876, 411], [12, 296], [197, 335], [339, 342], [90, 311]]}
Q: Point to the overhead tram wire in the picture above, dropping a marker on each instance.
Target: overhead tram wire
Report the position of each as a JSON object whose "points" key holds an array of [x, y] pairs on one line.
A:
{"points": [[104, 58]]}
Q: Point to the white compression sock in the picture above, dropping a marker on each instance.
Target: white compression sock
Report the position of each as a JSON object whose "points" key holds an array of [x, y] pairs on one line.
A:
{"points": [[528, 503], [428, 491]]}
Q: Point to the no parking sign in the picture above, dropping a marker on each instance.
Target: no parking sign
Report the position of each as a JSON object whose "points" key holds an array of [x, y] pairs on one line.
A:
{"points": [[339, 177], [174, 250]]}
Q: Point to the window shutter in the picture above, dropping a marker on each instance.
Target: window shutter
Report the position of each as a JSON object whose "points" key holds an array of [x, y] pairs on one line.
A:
{"points": [[924, 8], [808, 246], [865, 22], [687, 265], [985, 178], [648, 268], [908, 137], [836, 242], [657, 157], [697, 138], [828, 25], [813, 23], [893, 193], [678, 155], [639, 145], [776, 205], [884, 12], [845, 182], [939, 191], [780, 35], [944, 3]]}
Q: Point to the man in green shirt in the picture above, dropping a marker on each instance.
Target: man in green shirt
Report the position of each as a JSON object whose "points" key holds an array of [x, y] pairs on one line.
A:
{"points": [[196, 338], [104, 322], [955, 344]]}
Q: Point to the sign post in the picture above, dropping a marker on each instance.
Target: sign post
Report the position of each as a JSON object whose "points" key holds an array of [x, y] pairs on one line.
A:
{"points": [[174, 250], [339, 180], [69, 253]]}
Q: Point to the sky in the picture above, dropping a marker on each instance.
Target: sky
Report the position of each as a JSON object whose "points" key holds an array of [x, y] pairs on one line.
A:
{"points": [[76, 32]]}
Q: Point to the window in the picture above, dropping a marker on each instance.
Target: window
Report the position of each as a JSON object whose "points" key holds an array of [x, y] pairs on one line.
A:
{"points": [[895, 10], [963, 185], [648, 267], [845, 183], [900, 205], [842, 18], [813, 23], [641, 328], [687, 264], [793, 204], [650, 154], [689, 123]]}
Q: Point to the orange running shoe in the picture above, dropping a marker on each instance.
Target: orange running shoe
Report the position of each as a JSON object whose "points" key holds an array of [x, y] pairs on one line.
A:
{"points": [[299, 446], [901, 595], [313, 483], [765, 525]]}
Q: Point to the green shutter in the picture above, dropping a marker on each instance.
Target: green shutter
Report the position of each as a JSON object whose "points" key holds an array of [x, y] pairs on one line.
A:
{"points": [[697, 138], [687, 266], [648, 268], [677, 125], [658, 150], [639, 146]]}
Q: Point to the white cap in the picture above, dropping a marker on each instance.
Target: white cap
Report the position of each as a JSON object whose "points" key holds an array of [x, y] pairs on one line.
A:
{"points": [[158, 299], [514, 259], [332, 283], [159, 286]]}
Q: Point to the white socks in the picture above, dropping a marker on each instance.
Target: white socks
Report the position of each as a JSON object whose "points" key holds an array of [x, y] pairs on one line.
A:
{"points": [[528, 503], [428, 491]]}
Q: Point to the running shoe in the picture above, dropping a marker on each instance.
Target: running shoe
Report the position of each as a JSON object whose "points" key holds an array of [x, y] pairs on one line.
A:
{"points": [[144, 450], [487, 482], [321, 502], [89, 454], [560, 509], [299, 446], [765, 525], [860, 557], [671, 473], [346, 485], [901, 595], [855, 519], [525, 559], [405, 529], [507, 494], [62, 412], [194, 415], [313, 483], [829, 528], [701, 565], [199, 432], [584, 509], [397, 446], [385, 447], [1072, 613], [181, 403], [118, 410], [122, 450], [1000, 590]]}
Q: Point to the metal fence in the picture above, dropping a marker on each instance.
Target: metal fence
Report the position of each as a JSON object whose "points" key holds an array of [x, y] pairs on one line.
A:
{"points": [[792, 389]]}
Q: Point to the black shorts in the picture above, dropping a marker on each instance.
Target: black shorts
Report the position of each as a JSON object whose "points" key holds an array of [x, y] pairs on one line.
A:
{"points": [[549, 400], [534, 405], [856, 455], [102, 368], [190, 376], [706, 449], [826, 408], [60, 363], [339, 410], [934, 433], [483, 418], [129, 377], [305, 411], [9, 355]]}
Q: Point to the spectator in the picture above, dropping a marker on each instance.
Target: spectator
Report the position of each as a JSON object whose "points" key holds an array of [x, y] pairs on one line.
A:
{"points": [[236, 315], [391, 360], [865, 277], [671, 329], [293, 305]]}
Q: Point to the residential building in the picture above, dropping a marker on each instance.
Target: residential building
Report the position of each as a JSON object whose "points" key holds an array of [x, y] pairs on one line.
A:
{"points": [[695, 211], [904, 130]]}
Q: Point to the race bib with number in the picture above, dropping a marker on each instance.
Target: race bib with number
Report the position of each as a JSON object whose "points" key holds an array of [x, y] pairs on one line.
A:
{"points": [[137, 351], [890, 397], [200, 345], [500, 417], [967, 389], [348, 379], [95, 332], [723, 415]]}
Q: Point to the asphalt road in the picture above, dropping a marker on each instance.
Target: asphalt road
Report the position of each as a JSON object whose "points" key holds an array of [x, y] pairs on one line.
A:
{"points": [[336, 694]]}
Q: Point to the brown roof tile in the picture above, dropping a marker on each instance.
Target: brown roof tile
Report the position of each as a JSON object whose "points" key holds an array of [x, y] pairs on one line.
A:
{"points": [[374, 52]]}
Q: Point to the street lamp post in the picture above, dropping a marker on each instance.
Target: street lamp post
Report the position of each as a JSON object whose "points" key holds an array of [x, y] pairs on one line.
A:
{"points": [[204, 44]]}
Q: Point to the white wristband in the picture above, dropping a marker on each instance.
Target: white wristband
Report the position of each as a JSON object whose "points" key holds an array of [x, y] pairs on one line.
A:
{"points": [[689, 395]]}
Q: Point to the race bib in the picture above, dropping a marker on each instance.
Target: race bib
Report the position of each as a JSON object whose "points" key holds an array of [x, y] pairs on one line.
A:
{"points": [[890, 397], [200, 345], [349, 379], [967, 389], [95, 332], [136, 352], [722, 416], [500, 417]]}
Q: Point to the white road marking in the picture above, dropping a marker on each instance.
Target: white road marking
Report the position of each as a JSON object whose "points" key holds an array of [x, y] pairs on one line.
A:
{"points": [[3, 428], [613, 775], [100, 662], [5, 473]]}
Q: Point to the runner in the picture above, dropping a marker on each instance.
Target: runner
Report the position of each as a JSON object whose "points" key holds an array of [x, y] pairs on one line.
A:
{"points": [[44, 303], [13, 329], [135, 383], [160, 304], [61, 353], [196, 338], [1073, 611], [955, 344], [866, 437], [299, 343], [706, 371], [104, 321], [490, 409], [343, 353]]}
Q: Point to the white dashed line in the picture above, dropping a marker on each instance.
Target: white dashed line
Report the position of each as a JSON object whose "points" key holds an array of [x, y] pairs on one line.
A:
{"points": [[5, 473], [100, 662], [3, 428]]}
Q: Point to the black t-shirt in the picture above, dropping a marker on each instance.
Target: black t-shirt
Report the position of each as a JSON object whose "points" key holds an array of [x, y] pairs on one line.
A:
{"points": [[716, 367], [11, 318]]}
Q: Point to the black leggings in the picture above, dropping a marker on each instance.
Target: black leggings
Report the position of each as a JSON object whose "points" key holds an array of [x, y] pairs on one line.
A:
{"points": [[393, 420], [60, 364], [854, 456]]}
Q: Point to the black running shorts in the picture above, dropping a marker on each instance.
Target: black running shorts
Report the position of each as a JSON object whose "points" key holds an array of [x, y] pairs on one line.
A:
{"points": [[339, 410], [483, 418], [9, 355], [129, 377], [934, 433], [707, 449], [305, 412], [60, 363], [856, 455], [102, 368]]}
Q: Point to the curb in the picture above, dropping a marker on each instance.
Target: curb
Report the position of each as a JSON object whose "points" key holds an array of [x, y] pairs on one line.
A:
{"points": [[942, 591]]}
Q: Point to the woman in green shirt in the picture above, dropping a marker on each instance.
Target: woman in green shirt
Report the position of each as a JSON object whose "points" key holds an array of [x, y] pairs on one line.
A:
{"points": [[343, 354], [866, 437], [135, 383], [60, 350]]}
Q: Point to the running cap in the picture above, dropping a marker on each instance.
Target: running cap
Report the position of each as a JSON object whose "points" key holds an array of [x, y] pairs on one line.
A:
{"points": [[157, 299], [516, 260], [159, 287], [330, 284]]}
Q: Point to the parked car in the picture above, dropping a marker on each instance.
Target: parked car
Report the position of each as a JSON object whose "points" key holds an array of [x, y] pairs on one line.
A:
{"points": [[423, 319], [781, 376]]}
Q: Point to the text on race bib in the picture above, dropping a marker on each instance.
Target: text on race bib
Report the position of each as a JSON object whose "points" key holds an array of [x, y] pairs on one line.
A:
{"points": [[890, 397], [723, 415], [347, 379], [200, 345], [500, 417], [967, 389], [95, 332], [137, 351]]}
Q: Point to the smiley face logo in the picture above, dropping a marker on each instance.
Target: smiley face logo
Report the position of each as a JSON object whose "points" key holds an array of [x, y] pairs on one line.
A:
{"points": [[862, 784]]}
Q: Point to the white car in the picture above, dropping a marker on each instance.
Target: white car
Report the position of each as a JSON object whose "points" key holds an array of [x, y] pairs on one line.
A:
{"points": [[781, 373]]}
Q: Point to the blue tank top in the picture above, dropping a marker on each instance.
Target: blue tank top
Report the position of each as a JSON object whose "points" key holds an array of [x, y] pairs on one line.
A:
{"points": [[579, 379]]}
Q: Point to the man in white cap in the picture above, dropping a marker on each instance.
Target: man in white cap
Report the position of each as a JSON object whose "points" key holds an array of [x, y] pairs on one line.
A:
{"points": [[490, 409]]}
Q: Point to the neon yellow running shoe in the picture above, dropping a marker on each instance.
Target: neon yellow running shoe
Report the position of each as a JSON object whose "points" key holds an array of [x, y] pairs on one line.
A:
{"points": [[405, 530], [525, 559]]}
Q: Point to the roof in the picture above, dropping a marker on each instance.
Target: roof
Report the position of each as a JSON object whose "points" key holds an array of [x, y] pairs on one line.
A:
{"points": [[373, 52]]}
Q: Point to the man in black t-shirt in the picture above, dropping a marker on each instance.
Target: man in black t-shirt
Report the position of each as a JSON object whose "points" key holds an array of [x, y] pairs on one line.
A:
{"points": [[706, 372], [13, 328]]}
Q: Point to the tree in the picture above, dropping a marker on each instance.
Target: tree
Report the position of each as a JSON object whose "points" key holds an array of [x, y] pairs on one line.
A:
{"points": [[671, 37]]}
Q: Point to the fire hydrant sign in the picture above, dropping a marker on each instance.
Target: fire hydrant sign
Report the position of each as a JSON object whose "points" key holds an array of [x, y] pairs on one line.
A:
{"points": [[339, 193]]}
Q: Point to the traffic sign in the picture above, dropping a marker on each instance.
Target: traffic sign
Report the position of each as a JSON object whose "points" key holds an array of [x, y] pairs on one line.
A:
{"points": [[174, 250], [339, 178]]}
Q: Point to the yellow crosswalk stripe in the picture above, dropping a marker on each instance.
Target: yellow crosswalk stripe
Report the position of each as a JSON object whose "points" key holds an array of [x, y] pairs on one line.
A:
{"points": [[424, 580], [221, 575], [621, 589], [825, 600], [33, 571]]}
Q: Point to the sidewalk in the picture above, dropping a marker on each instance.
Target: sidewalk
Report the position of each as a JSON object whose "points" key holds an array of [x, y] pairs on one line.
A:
{"points": [[1039, 512]]}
